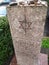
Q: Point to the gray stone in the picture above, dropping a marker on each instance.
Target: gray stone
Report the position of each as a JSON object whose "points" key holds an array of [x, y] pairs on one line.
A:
{"points": [[43, 59], [27, 27]]}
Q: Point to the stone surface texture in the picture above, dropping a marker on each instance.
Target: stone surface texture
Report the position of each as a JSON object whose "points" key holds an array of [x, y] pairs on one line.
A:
{"points": [[43, 58], [27, 27]]}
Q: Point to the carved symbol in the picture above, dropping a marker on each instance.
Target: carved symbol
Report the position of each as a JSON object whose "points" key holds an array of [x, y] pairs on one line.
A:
{"points": [[25, 25]]}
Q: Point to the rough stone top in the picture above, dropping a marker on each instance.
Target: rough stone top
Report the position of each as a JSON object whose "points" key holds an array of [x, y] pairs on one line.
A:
{"points": [[26, 6], [42, 3]]}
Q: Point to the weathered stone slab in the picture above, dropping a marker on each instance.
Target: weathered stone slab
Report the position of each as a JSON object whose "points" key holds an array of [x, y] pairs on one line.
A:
{"points": [[27, 27]]}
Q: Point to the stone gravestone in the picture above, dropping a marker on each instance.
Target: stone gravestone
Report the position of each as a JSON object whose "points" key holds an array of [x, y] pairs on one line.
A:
{"points": [[27, 27]]}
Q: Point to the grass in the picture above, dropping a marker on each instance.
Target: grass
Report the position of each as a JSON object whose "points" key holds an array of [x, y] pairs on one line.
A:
{"points": [[45, 42]]}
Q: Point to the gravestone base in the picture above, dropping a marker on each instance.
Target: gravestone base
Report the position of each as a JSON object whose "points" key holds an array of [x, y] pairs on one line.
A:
{"points": [[43, 58]]}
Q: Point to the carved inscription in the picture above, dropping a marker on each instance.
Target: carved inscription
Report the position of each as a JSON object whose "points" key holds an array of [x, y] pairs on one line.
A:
{"points": [[25, 25]]}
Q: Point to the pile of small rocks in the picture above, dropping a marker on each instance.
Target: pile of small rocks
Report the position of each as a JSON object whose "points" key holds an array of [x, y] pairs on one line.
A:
{"points": [[29, 2]]}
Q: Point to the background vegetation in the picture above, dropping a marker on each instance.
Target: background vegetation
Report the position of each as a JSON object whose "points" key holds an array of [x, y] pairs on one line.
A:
{"points": [[6, 46], [47, 1], [45, 42]]}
